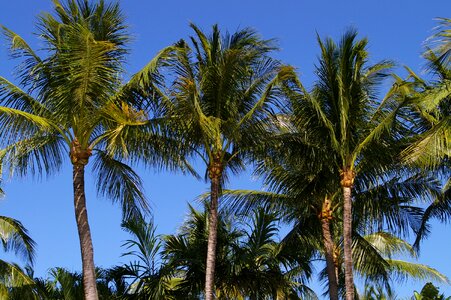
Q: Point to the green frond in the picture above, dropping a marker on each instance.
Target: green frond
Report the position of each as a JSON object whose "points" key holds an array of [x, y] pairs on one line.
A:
{"points": [[378, 70], [402, 270], [31, 66], [17, 123], [389, 201], [18, 45], [439, 209], [321, 115], [432, 146], [148, 78], [206, 46], [369, 262], [431, 98], [440, 41], [40, 154], [389, 245], [285, 73], [382, 127], [121, 117], [145, 244], [13, 279], [67, 284], [244, 201], [13, 97], [15, 238], [118, 182]]}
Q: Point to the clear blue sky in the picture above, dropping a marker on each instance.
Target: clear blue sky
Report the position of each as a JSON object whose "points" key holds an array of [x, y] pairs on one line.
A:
{"points": [[396, 30]]}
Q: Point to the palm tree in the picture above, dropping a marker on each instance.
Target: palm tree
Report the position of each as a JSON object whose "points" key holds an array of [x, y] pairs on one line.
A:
{"points": [[222, 91], [345, 103], [429, 292], [62, 284], [388, 204], [375, 293], [328, 135], [72, 102], [266, 268], [378, 261]]}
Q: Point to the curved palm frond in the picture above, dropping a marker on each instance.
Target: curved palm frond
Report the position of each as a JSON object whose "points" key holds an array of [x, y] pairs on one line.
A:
{"points": [[15, 238], [119, 182]]}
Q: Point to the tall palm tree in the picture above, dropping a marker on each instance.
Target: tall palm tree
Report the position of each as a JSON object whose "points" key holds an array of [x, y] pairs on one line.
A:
{"points": [[222, 91], [346, 104], [388, 204], [72, 102], [330, 134]]}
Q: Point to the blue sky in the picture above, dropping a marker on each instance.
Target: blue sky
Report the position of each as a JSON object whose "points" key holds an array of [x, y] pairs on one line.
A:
{"points": [[396, 30]]}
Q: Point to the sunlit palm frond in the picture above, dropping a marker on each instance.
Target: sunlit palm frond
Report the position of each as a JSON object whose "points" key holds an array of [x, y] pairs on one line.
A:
{"points": [[40, 154], [15, 238], [433, 146], [14, 97], [441, 41], [389, 245], [67, 284], [401, 270], [146, 82], [14, 281], [20, 124]]}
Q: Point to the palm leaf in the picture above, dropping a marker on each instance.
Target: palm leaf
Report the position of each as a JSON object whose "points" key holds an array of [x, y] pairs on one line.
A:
{"points": [[15, 238], [120, 183], [402, 270]]}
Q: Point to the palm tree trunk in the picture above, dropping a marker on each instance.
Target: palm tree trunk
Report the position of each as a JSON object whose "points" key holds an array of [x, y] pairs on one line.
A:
{"points": [[84, 233], [347, 241], [326, 216], [212, 236], [336, 265]]}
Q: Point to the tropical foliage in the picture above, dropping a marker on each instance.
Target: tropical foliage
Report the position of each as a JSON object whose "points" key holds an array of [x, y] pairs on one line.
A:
{"points": [[349, 173]]}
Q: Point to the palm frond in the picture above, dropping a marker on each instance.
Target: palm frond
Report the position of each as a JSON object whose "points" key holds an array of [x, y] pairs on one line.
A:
{"points": [[18, 124], [118, 182], [15, 238], [144, 245], [439, 209], [13, 280], [402, 270], [42, 153], [389, 245]]}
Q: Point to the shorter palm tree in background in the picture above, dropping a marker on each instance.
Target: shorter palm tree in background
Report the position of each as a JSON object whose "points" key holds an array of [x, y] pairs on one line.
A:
{"points": [[429, 292]]}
